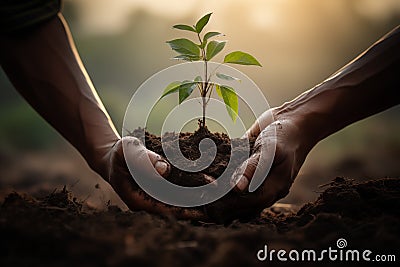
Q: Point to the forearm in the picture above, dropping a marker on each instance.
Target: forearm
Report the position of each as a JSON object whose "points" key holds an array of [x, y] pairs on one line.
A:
{"points": [[45, 68], [362, 88]]}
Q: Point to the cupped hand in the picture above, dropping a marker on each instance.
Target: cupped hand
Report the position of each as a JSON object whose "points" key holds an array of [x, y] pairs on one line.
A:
{"points": [[291, 148], [122, 182]]}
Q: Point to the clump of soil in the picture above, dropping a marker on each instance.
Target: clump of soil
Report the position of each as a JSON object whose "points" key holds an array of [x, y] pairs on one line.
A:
{"points": [[58, 231], [222, 164], [189, 146]]}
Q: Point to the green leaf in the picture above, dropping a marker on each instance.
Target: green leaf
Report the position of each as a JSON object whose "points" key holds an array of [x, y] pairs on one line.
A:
{"points": [[184, 27], [230, 98], [185, 90], [202, 22], [187, 57], [213, 48], [177, 86], [184, 46], [226, 77], [242, 58], [171, 88], [208, 35]]}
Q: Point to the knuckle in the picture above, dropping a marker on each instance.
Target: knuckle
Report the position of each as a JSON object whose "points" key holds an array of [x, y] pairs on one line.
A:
{"points": [[130, 140], [117, 146]]}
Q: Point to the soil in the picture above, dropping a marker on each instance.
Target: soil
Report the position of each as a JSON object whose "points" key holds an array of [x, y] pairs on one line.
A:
{"points": [[189, 146], [222, 163], [59, 230]]}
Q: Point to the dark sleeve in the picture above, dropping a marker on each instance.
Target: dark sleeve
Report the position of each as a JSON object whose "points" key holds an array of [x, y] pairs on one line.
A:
{"points": [[21, 14]]}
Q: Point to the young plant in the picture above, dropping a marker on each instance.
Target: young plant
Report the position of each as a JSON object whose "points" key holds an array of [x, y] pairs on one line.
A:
{"points": [[204, 50]]}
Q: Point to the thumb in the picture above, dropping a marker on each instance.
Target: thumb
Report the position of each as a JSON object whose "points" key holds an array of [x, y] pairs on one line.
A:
{"points": [[138, 156], [243, 174], [251, 174], [160, 164]]}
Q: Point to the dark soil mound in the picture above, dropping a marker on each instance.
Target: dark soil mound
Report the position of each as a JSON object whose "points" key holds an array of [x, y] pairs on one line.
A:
{"points": [[58, 231], [223, 163], [189, 146]]}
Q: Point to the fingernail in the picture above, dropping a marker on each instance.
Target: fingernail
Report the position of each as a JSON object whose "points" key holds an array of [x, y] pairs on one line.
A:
{"points": [[242, 183], [161, 167]]}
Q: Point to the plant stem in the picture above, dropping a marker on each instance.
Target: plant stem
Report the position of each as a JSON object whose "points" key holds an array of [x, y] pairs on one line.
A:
{"points": [[205, 85], [205, 92], [204, 112]]}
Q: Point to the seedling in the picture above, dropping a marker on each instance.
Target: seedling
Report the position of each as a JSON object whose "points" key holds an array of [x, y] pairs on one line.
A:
{"points": [[205, 50]]}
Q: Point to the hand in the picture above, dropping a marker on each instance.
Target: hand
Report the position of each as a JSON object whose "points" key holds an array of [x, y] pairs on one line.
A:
{"points": [[122, 182], [292, 147]]}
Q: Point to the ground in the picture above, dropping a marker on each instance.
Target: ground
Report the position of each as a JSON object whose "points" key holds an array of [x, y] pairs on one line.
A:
{"points": [[58, 230]]}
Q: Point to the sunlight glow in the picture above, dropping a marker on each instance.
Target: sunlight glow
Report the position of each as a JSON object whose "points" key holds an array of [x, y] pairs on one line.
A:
{"points": [[106, 17]]}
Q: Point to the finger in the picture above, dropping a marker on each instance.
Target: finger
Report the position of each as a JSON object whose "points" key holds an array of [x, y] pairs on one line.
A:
{"points": [[160, 164], [251, 174], [277, 184], [142, 159], [275, 187], [261, 123], [242, 176], [266, 146]]}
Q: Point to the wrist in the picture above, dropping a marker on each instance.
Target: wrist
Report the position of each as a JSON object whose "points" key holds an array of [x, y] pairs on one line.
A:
{"points": [[98, 134], [100, 159]]}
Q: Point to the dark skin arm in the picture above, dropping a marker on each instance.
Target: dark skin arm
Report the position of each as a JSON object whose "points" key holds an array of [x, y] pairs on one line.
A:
{"points": [[366, 86], [44, 66]]}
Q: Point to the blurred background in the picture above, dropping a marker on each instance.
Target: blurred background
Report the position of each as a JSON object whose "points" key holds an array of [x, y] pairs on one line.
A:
{"points": [[122, 43]]}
